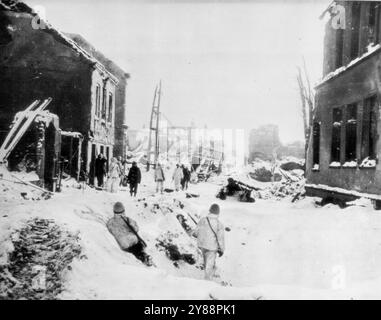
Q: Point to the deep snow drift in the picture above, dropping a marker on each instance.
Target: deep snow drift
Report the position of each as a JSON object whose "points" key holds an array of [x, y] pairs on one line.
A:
{"points": [[274, 249]]}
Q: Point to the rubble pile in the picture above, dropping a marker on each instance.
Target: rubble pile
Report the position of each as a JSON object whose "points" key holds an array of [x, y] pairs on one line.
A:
{"points": [[292, 165], [19, 186], [263, 174], [283, 189], [281, 179], [42, 252]]}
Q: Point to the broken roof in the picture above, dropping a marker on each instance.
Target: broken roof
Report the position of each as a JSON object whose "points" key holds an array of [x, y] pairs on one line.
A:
{"points": [[109, 64], [20, 7]]}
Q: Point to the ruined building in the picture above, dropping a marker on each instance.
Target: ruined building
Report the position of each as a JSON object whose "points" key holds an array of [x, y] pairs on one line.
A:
{"points": [[120, 92], [87, 90], [343, 152], [264, 142]]}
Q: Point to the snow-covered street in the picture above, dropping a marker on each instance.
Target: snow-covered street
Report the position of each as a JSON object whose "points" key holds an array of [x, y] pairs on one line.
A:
{"points": [[274, 249]]}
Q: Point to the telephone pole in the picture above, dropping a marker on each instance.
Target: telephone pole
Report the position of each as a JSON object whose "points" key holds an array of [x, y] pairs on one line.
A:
{"points": [[154, 128]]}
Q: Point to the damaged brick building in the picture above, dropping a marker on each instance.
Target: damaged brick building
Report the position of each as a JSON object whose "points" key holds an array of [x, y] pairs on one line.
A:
{"points": [[87, 89], [343, 153]]}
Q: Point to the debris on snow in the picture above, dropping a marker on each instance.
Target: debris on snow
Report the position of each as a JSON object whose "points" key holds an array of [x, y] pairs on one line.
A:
{"points": [[42, 251], [173, 251], [264, 174], [291, 163]]}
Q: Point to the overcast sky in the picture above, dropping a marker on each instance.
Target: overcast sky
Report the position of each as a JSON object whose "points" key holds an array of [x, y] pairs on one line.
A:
{"points": [[227, 65]]}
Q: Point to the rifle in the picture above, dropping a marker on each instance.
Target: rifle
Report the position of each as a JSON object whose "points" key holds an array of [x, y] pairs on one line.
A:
{"points": [[134, 231], [192, 218]]}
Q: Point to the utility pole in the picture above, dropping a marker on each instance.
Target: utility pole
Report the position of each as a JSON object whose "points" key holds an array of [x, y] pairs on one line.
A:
{"points": [[154, 127]]}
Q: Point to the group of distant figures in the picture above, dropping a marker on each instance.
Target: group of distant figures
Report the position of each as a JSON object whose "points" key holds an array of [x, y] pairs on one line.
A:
{"points": [[180, 177], [119, 174]]}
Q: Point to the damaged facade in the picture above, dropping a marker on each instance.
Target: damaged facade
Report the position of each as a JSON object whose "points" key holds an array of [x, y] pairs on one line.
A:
{"points": [[343, 153], [36, 63], [120, 126]]}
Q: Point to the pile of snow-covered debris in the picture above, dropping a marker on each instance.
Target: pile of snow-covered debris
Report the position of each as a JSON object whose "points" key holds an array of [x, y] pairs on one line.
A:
{"points": [[37, 256], [282, 189], [267, 180], [14, 186]]}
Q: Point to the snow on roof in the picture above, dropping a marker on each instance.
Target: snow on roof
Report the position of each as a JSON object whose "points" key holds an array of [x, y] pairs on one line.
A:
{"points": [[22, 7], [370, 49], [109, 64]]}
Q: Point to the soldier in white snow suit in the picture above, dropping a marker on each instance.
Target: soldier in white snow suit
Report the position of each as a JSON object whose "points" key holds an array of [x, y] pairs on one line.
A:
{"points": [[210, 239], [159, 178], [125, 231], [177, 177], [114, 175]]}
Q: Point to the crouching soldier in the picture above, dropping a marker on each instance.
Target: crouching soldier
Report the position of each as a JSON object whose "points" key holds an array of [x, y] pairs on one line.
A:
{"points": [[210, 239], [125, 231]]}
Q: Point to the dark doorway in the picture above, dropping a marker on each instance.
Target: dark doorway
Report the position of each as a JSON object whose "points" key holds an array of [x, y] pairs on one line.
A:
{"points": [[92, 164]]}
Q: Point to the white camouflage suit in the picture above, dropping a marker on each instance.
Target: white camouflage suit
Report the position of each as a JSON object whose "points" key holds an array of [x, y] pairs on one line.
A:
{"points": [[177, 176], [207, 242]]}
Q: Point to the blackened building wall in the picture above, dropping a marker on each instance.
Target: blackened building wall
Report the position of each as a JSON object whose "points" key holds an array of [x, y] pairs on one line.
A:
{"points": [[344, 147], [41, 63], [120, 93]]}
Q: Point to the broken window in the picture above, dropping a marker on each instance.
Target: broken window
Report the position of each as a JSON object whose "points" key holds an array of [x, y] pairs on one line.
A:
{"points": [[316, 143], [339, 47], [104, 103], [98, 100], [355, 29], [109, 118], [369, 128], [336, 134], [351, 132]]}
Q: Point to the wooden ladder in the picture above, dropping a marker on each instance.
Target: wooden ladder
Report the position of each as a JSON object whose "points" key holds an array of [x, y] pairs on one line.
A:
{"points": [[22, 122]]}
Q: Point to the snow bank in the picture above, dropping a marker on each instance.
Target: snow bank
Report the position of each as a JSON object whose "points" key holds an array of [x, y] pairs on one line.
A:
{"points": [[274, 249]]}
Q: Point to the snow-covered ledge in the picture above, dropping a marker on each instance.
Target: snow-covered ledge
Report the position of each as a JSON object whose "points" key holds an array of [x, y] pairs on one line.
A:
{"points": [[344, 191], [335, 164], [350, 164], [368, 163], [370, 49]]}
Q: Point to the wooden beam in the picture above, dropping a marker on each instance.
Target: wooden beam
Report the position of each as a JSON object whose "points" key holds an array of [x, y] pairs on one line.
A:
{"points": [[15, 126], [29, 119], [31, 185]]}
